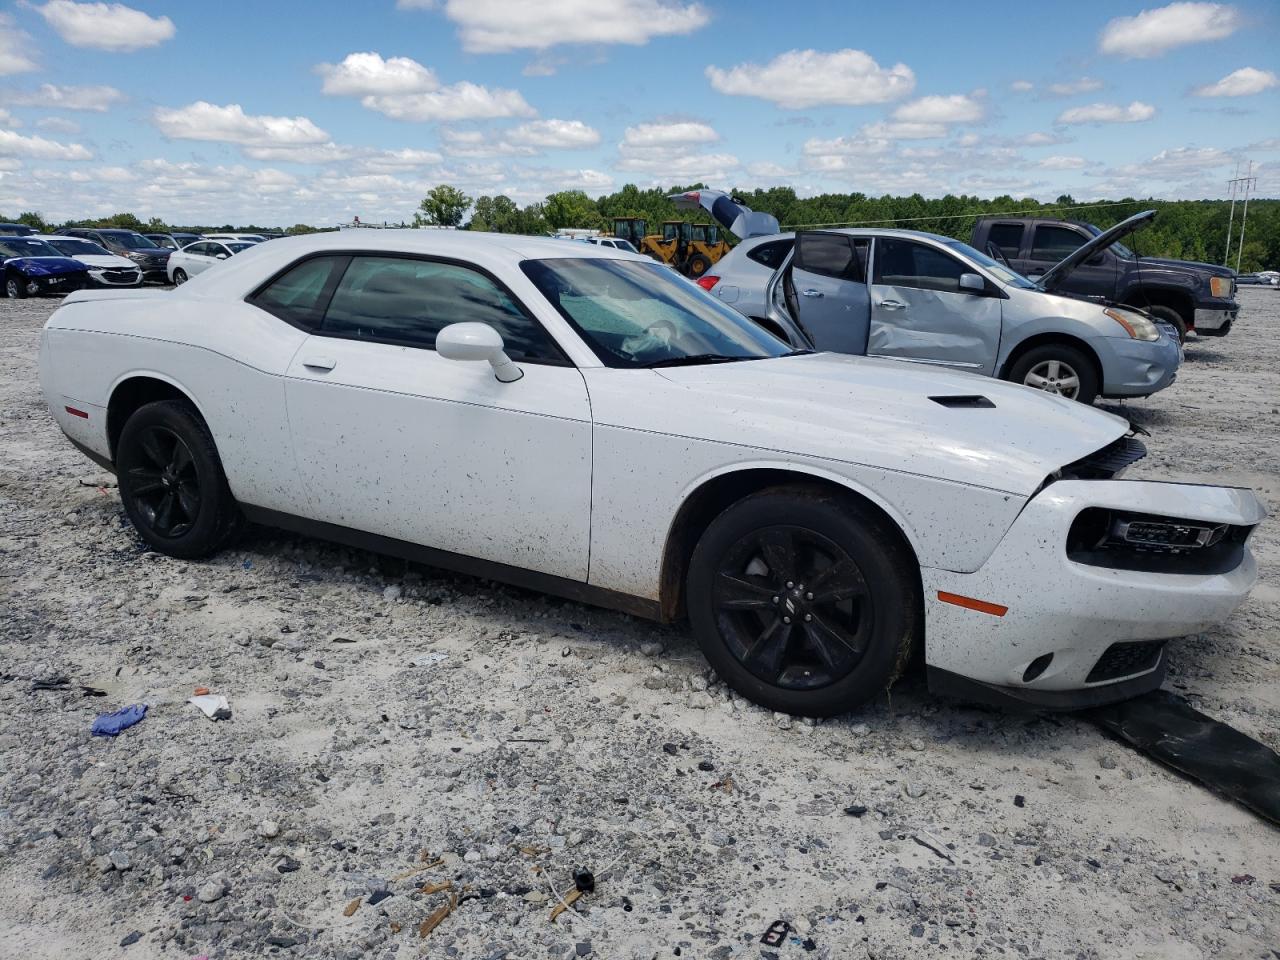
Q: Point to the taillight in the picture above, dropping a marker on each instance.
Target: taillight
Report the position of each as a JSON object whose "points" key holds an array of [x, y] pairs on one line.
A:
{"points": [[708, 281]]}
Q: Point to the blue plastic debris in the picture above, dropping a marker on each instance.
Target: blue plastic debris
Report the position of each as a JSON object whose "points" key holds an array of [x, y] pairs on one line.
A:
{"points": [[109, 724]]}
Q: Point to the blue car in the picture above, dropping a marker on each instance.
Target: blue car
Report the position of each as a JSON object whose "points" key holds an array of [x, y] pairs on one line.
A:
{"points": [[33, 267]]}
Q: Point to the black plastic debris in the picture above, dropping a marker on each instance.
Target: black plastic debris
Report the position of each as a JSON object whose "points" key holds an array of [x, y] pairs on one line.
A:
{"points": [[1019, 800], [584, 880], [856, 810], [776, 935], [377, 897], [1168, 729]]}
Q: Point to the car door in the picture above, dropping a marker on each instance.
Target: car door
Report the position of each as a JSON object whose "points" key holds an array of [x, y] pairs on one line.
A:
{"points": [[827, 290], [920, 312], [199, 257], [1051, 243], [393, 439]]}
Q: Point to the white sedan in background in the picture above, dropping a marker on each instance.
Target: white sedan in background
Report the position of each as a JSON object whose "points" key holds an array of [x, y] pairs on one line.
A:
{"points": [[582, 421], [105, 268], [198, 257]]}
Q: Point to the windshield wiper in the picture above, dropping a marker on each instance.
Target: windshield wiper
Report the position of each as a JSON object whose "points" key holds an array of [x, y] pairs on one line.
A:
{"points": [[696, 358]]}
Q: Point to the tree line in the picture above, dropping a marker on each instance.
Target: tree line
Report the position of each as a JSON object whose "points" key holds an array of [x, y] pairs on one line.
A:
{"points": [[1183, 229]]}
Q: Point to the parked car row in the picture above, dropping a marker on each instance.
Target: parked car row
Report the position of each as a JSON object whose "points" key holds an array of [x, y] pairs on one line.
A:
{"points": [[591, 424], [76, 257], [1090, 318]]}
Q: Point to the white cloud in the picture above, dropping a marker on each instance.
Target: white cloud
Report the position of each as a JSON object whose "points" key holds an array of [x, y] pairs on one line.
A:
{"points": [[105, 26], [1022, 86], [308, 153], [459, 101], [482, 144], [230, 124], [1040, 139], [806, 78], [892, 130], [957, 108], [555, 134], [669, 167], [50, 96], [58, 125], [396, 160], [15, 45], [16, 145], [499, 26], [1108, 113], [1244, 82], [1154, 32], [667, 133], [367, 74], [1062, 163], [7, 119], [1072, 87]]}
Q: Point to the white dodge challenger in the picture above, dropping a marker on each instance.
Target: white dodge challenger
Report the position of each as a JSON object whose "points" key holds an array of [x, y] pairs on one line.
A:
{"points": [[584, 422]]}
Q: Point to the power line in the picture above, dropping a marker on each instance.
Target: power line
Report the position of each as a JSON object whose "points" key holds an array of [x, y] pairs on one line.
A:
{"points": [[964, 216]]}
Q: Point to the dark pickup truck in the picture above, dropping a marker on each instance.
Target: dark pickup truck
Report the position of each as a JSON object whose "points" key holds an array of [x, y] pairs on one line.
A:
{"points": [[1186, 295]]}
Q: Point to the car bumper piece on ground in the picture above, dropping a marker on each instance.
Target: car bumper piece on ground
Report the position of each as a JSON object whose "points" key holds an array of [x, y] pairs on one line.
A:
{"points": [[1073, 633]]}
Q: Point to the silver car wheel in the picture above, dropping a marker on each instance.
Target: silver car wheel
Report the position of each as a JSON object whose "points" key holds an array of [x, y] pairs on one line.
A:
{"points": [[1054, 376]]}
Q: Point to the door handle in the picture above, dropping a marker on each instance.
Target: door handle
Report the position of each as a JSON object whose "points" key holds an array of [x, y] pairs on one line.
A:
{"points": [[892, 304], [320, 363], [810, 293]]}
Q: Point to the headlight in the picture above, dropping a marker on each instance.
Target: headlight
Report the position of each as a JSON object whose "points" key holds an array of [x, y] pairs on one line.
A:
{"points": [[1135, 324], [1220, 287]]}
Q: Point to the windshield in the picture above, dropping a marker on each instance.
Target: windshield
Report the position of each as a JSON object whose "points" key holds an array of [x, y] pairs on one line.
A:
{"points": [[75, 247], [23, 247], [642, 314], [994, 267], [161, 240], [134, 241], [625, 245], [235, 246]]}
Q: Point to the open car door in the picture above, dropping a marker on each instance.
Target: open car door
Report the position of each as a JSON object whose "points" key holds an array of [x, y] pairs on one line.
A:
{"points": [[733, 215]]}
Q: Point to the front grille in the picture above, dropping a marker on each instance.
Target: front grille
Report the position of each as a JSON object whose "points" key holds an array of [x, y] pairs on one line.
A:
{"points": [[1126, 660], [1107, 463], [119, 276]]}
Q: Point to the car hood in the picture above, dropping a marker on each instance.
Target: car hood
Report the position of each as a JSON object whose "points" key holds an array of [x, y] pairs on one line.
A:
{"points": [[882, 413], [1190, 266], [44, 266], [107, 260], [1058, 273]]}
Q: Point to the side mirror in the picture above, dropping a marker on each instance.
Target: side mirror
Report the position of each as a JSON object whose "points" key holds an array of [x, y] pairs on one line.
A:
{"points": [[219, 256], [477, 341], [972, 283]]}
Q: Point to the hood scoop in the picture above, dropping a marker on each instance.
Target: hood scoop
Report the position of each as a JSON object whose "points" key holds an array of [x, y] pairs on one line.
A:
{"points": [[963, 402]]}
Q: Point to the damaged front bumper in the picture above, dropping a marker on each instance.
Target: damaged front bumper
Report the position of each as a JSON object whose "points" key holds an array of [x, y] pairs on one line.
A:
{"points": [[1083, 626], [1213, 322]]}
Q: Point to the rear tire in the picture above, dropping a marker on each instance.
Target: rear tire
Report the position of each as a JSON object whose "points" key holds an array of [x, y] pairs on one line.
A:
{"points": [[697, 265], [1057, 368], [172, 484], [814, 648], [179, 276], [14, 287], [1173, 318]]}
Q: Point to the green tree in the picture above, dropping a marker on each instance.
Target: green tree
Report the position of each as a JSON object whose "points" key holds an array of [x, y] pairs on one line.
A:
{"points": [[571, 208], [32, 219], [298, 229], [443, 206], [125, 221]]}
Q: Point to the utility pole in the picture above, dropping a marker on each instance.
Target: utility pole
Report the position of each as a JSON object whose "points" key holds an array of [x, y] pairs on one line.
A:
{"points": [[1239, 186]]}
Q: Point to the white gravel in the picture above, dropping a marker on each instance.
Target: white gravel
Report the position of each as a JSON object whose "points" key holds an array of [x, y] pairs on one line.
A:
{"points": [[384, 712]]}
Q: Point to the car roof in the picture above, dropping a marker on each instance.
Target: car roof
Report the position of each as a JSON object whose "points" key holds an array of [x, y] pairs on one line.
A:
{"points": [[441, 242]]}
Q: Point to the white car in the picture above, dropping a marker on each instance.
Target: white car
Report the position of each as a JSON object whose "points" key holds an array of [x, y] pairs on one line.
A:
{"points": [[613, 243], [105, 268], [582, 422], [198, 257], [250, 237], [739, 277]]}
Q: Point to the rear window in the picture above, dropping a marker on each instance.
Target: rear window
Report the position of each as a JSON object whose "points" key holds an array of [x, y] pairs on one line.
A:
{"points": [[833, 255], [1008, 238], [298, 296], [771, 254]]}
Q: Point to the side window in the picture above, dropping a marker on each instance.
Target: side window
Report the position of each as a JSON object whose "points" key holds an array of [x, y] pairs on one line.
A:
{"points": [[406, 301], [298, 295], [1008, 237], [771, 254], [1054, 243], [199, 249], [832, 255], [904, 263]]}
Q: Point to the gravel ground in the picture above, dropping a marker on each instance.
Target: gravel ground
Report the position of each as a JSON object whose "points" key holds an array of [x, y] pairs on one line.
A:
{"points": [[385, 713]]}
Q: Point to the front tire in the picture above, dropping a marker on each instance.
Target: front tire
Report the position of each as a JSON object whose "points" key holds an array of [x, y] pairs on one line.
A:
{"points": [[14, 288], [804, 601], [1059, 369], [697, 265], [179, 276], [172, 484]]}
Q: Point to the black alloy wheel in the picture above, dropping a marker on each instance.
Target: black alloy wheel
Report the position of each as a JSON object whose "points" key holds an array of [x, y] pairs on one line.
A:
{"points": [[793, 607], [165, 487], [172, 483], [804, 600]]}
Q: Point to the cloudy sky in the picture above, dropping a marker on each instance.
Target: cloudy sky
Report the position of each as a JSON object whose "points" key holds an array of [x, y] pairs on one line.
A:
{"points": [[278, 112]]}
